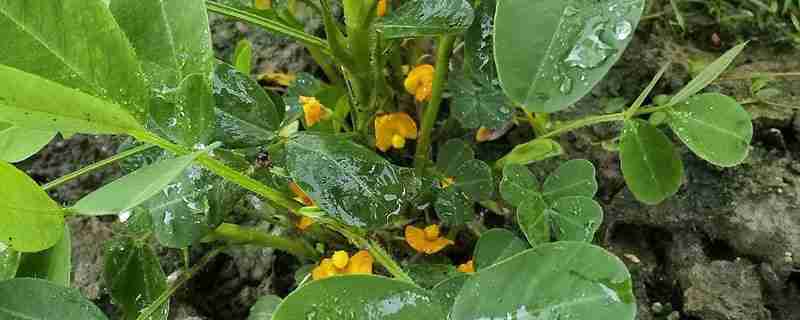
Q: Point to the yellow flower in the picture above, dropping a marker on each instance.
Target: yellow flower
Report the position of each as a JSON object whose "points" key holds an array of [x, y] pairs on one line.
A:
{"points": [[420, 82], [426, 240], [279, 78], [447, 182], [342, 263], [300, 196], [392, 130], [468, 267], [304, 223], [313, 110], [382, 6]]}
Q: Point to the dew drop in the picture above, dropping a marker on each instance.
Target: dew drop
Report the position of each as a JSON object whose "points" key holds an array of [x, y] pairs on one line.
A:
{"points": [[623, 30], [590, 51], [566, 85]]}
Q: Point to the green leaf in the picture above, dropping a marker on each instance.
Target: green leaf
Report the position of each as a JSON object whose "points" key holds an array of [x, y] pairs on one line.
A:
{"points": [[448, 290], [17, 144], [474, 178], [172, 39], [29, 220], [518, 184], [76, 43], [572, 178], [708, 75], [715, 127], [133, 189], [496, 245], [530, 152], [424, 18], [452, 154], [26, 299], [348, 181], [54, 264], [264, 308], [134, 277], [243, 56], [9, 262], [359, 297], [533, 221], [186, 114], [651, 166], [478, 103], [61, 109], [427, 275], [479, 42], [564, 280], [454, 207], [570, 47], [573, 218], [180, 213], [245, 114]]}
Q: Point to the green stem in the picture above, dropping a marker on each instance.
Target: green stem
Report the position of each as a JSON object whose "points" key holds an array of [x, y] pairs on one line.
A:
{"points": [[759, 75], [432, 111], [577, 124], [95, 166], [374, 249], [270, 25], [146, 313], [224, 171], [387, 262], [236, 234]]}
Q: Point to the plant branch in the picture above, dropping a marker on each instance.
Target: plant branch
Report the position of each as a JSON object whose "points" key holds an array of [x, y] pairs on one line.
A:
{"points": [[94, 166], [432, 111], [577, 124], [374, 248], [270, 25], [236, 234], [224, 171]]}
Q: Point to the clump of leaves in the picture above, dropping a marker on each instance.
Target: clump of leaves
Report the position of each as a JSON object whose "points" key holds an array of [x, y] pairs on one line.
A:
{"points": [[332, 157]]}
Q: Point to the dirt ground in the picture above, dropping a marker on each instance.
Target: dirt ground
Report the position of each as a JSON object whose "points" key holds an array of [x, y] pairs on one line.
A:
{"points": [[726, 247]]}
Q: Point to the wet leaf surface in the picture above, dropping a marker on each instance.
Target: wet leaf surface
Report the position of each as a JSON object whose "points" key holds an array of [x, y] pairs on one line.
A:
{"points": [[574, 45], [563, 280], [348, 181]]}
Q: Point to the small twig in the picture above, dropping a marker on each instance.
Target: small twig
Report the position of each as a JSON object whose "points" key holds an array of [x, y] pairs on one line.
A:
{"points": [[94, 166]]}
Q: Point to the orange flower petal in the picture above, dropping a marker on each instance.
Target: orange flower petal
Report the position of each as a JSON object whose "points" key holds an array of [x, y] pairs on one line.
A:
{"points": [[390, 126], [304, 223], [324, 270], [437, 245], [313, 110], [468, 267], [382, 6], [420, 82], [360, 263], [417, 239], [304, 198]]}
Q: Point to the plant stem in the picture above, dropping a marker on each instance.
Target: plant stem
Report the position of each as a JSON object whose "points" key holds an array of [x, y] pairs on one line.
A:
{"points": [[224, 171], [374, 249], [577, 124], [94, 166], [146, 313], [270, 25], [236, 234], [432, 111], [759, 75]]}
